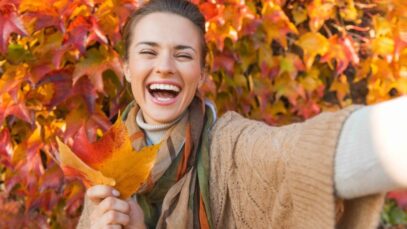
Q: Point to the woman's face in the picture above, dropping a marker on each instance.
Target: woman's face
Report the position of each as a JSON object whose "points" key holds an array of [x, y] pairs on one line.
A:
{"points": [[163, 65]]}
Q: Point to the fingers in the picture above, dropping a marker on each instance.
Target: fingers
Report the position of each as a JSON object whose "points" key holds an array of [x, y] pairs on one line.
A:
{"points": [[99, 192], [115, 204], [110, 211], [114, 217]]}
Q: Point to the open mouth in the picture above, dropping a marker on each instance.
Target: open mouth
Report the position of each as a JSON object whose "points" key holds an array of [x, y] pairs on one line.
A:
{"points": [[163, 92]]}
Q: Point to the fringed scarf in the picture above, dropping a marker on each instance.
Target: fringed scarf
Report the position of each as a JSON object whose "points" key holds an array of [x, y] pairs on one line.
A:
{"points": [[176, 193]]}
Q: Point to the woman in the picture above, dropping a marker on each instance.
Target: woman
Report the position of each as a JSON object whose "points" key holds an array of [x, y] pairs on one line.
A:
{"points": [[234, 172]]}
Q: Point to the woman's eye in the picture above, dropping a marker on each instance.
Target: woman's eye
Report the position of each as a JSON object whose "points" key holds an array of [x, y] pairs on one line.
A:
{"points": [[184, 56], [147, 52]]}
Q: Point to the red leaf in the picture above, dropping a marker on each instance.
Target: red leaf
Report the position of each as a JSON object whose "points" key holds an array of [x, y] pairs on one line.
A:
{"points": [[77, 33], [224, 61], [6, 148], [209, 10], [9, 23], [400, 197], [9, 106], [94, 64], [62, 83], [43, 14]]}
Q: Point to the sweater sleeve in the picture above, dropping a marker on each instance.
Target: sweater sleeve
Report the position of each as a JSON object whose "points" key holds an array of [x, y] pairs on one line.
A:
{"points": [[359, 167], [372, 150], [282, 177]]}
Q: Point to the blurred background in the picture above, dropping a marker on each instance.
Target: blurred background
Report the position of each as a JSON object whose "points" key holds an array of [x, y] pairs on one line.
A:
{"points": [[279, 61]]}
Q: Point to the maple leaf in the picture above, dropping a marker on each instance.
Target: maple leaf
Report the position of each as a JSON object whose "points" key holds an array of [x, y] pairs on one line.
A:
{"points": [[94, 64], [276, 24], [209, 10], [17, 108], [111, 160], [9, 23], [73, 166], [313, 44], [319, 11], [341, 49], [42, 14], [111, 15]]}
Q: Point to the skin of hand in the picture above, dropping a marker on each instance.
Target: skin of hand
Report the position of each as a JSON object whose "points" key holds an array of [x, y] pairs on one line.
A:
{"points": [[111, 212]]}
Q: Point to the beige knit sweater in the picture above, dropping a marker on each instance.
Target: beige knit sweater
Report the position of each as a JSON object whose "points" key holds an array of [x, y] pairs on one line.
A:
{"points": [[282, 177], [279, 177]]}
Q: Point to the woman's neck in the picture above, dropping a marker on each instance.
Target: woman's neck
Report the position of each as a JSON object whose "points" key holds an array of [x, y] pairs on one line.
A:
{"points": [[154, 132]]}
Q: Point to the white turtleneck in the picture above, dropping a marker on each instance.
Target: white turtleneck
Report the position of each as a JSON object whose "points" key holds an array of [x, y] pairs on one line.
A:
{"points": [[154, 132]]}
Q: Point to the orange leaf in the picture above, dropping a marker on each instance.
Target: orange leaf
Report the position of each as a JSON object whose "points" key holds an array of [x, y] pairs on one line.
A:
{"points": [[114, 156], [72, 165]]}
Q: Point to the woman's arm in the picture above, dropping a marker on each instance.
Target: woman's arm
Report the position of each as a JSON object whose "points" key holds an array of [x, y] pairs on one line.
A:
{"points": [[372, 150]]}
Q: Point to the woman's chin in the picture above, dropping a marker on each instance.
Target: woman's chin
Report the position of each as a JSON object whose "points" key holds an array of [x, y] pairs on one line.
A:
{"points": [[160, 114]]}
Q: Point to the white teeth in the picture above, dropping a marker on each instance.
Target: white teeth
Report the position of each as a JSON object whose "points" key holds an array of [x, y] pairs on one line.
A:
{"points": [[167, 87], [163, 99]]}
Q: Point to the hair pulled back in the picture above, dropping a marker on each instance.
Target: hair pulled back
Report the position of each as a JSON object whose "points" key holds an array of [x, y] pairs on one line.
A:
{"points": [[182, 8]]}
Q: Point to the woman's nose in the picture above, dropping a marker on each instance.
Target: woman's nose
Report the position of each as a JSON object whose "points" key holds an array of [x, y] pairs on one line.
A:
{"points": [[165, 64]]}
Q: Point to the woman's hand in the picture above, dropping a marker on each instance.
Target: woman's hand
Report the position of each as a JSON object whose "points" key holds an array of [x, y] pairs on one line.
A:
{"points": [[111, 212]]}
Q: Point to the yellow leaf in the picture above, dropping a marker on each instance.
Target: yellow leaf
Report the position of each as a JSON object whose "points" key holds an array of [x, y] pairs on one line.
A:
{"points": [[114, 156], [383, 45], [312, 44], [72, 165]]}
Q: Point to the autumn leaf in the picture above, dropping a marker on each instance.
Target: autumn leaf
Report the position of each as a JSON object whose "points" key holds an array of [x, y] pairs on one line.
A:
{"points": [[319, 11], [276, 23], [73, 166], [110, 161], [342, 51], [94, 64], [313, 44], [273, 60], [9, 23]]}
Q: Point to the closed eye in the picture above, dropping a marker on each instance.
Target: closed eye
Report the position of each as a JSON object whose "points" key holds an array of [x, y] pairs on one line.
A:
{"points": [[184, 56], [147, 52]]}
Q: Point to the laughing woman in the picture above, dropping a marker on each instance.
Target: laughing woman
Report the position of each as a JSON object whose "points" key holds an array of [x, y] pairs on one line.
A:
{"points": [[232, 172]]}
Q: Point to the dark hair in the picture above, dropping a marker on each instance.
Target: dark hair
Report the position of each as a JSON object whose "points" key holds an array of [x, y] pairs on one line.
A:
{"points": [[182, 8]]}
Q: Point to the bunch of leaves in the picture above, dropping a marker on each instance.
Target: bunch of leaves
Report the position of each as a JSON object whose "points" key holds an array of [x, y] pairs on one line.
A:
{"points": [[60, 72], [279, 61]]}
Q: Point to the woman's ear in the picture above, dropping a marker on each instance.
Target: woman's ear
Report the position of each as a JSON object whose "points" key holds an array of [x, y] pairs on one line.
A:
{"points": [[126, 71]]}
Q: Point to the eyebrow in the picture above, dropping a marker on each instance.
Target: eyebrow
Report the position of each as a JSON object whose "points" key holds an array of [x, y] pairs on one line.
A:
{"points": [[154, 44]]}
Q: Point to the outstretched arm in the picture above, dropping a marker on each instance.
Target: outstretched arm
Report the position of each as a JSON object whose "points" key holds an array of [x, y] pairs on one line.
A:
{"points": [[372, 150]]}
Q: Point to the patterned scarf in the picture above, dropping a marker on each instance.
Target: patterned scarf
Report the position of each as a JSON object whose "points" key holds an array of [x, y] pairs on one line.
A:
{"points": [[176, 193]]}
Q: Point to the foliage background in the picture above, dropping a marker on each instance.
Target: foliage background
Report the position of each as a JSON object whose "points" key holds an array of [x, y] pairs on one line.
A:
{"points": [[280, 61]]}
